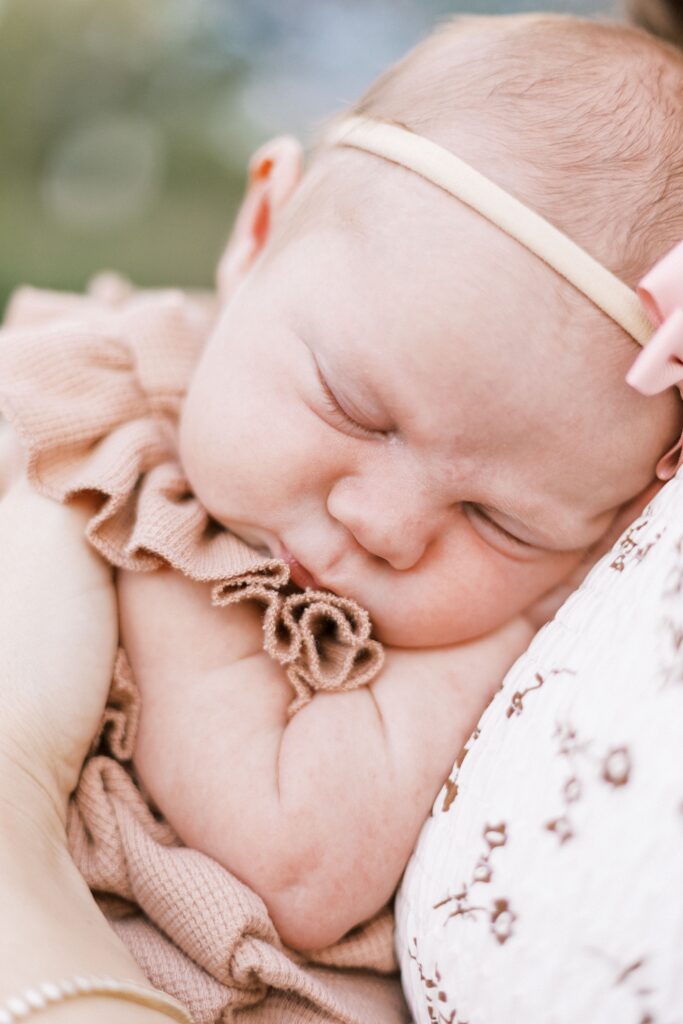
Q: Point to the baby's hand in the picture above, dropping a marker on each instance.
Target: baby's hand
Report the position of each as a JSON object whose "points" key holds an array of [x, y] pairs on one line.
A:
{"points": [[318, 814]]}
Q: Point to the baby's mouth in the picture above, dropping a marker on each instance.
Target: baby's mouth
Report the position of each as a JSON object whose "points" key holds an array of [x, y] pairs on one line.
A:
{"points": [[299, 576], [298, 573]]}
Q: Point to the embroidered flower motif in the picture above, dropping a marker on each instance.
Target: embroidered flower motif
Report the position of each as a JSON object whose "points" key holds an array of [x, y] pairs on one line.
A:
{"points": [[429, 984], [483, 872], [450, 795], [562, 828], [572, 790], [502, 921], [495, 835], [630, 551], [516, 705], [451, 784], [617, 767]]}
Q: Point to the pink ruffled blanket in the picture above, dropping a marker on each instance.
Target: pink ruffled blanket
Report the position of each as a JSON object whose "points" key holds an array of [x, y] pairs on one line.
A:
{"points": [[93, 384]]}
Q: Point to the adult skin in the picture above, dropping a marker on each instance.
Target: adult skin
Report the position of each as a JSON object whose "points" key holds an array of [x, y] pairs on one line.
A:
{"points": [[58, 624]]}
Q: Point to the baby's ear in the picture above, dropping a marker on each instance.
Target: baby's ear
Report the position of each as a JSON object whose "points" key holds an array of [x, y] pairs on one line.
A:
{"points": [[274, 172]]}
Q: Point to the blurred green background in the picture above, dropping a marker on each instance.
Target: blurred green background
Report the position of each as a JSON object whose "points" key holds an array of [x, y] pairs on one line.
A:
{"points": [[126, 125]]}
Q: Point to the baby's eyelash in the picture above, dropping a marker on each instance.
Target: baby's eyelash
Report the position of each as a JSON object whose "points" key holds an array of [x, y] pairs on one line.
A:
{"points": [[481, 514], [335, 409]]}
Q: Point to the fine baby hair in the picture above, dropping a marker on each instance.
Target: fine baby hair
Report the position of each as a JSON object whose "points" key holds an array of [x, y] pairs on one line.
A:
{"points": [[588, 134], [581, 120], [658, 301], [435, 91]]}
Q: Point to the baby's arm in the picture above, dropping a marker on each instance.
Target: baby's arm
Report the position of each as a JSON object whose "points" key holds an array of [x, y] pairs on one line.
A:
{"points": [[319, 814]]}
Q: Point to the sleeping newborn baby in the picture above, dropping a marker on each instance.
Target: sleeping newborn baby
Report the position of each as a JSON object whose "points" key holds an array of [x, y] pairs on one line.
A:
{"points": [[418, 413], [413, 410]]}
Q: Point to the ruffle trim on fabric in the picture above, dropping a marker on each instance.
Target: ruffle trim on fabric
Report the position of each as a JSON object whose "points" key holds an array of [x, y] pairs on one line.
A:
{"points": [[94, 384]]}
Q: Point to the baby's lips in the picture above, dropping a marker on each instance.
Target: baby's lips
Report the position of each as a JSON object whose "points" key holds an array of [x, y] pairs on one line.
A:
{"points": [[301, 576]]}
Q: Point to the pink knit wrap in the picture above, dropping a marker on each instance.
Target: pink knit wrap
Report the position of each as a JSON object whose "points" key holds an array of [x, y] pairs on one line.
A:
{"points": [[93, 384]]}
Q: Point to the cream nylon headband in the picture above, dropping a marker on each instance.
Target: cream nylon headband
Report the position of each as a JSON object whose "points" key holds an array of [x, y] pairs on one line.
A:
{"points": [[452, 174]]}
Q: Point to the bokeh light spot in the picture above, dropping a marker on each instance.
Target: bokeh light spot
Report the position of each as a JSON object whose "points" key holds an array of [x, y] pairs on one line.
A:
{"points": [[105, 172]]}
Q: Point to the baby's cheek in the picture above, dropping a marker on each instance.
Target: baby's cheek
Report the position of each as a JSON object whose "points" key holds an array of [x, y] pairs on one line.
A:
{"points": [[465, 598], [518, 585], [195, 439], [214, 451]]}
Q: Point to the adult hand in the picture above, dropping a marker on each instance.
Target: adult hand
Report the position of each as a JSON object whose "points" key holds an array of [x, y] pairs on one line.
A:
{"points": [[59, 632]]}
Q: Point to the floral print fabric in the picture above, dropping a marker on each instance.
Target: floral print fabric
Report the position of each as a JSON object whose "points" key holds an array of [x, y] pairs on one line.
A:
{"points": [[547, 883]]}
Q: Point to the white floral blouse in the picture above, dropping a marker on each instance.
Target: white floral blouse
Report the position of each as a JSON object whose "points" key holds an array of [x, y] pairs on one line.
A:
{"points": [[547, 884]]}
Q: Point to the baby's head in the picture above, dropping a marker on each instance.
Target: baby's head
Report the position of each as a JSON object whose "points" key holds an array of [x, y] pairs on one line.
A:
{"points": [[417, 408]]}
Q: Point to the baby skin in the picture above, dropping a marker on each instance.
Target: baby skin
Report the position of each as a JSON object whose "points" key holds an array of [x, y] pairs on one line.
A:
{"points": [[417, 413]]}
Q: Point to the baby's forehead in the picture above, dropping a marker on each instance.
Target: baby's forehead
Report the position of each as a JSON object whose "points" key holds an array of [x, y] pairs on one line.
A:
{"points": [[343, 190], [399, 273], [373, 246]]}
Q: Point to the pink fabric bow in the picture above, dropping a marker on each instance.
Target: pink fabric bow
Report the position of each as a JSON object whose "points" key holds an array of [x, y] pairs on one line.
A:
{"points": [[660, 364]]}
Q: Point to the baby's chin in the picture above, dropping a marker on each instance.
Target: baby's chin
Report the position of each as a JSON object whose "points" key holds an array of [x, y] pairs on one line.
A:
{"points": [[404, 633]]}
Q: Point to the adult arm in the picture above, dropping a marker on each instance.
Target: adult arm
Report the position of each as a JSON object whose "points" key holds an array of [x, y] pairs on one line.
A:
{"points": [[52, 928], [59, 633]]}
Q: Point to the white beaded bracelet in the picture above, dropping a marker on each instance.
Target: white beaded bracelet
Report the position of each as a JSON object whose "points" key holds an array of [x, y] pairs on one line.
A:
{"points": [[47, 993]]}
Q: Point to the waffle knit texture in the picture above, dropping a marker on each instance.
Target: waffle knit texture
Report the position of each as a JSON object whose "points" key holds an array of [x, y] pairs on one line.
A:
{"points": [[93, 385]]}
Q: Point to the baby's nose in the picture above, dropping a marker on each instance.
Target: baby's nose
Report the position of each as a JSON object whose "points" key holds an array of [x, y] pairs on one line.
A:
{"points": [[391, 523]]}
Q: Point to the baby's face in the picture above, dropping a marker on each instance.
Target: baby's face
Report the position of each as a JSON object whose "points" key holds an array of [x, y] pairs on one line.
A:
{"points": [[403, 403]]}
